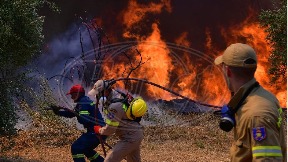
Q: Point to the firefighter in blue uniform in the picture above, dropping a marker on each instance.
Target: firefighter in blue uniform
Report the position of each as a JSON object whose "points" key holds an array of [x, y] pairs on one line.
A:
{"points": [[85, 113]]}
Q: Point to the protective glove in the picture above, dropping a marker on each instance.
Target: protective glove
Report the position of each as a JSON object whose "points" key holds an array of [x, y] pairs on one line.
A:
{"points": [[55, 109], [96, 129]]}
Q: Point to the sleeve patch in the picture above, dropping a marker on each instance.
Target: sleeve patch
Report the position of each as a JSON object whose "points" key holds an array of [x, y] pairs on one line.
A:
{"points": [[259, 133]]}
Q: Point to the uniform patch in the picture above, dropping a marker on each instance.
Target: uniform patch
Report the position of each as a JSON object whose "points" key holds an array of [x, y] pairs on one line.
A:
{"points": [[259, 133]]}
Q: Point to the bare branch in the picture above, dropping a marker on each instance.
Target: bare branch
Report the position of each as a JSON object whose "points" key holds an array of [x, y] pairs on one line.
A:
{"points": [[131, 65], [90, 36], [66, 64], [81, 43], [60, 76], [99, 38], [99, 32]]}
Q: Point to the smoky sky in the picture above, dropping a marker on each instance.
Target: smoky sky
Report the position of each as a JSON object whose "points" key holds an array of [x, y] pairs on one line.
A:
{"points": [[192, 16]]}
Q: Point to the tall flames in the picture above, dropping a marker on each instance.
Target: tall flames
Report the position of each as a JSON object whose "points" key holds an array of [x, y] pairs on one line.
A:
{"points": [[255, 36], [199, 80]]}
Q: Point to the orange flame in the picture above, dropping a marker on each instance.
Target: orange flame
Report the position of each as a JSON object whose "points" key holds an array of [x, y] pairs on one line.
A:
{"points": [[255, 36], [202, 84], [136, 12], [158, 67]]}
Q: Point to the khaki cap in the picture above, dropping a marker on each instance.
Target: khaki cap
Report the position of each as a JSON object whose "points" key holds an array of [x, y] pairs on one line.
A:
{"points": [[238, 55], [98, 87]]}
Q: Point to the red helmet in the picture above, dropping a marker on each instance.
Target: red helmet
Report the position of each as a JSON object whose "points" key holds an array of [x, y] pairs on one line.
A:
{"points": [[76, 89]]}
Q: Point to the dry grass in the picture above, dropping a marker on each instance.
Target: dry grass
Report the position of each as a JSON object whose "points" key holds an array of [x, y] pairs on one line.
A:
{"points": [[198, 139]]}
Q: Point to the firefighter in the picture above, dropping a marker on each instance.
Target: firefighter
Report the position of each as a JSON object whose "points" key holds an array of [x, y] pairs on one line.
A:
{"points": [[85, 109], [254, 112], [122, 118]]}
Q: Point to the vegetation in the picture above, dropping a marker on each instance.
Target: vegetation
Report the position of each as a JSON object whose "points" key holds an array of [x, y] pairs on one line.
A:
{"points": [[196, 139], [276, 23], [21, 38]]}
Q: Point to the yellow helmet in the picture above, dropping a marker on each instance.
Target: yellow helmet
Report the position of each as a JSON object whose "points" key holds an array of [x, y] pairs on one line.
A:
{"points": [[137, 108]]}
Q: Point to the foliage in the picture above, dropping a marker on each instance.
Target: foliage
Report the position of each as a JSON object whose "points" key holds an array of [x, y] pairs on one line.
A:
{"points": [[9, 91], [276, 23], [7, 114], [21, 38]]}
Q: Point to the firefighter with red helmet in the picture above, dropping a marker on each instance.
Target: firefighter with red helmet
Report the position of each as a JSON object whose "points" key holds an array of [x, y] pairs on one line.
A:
{"points": [[86, 115], [123, 114]]}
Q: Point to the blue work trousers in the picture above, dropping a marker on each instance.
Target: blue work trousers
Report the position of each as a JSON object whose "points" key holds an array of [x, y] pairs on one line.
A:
{"points": [[84, 146]]}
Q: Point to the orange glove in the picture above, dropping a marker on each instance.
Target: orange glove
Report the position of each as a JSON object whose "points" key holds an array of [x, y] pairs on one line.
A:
{"points": [[96, 129]]}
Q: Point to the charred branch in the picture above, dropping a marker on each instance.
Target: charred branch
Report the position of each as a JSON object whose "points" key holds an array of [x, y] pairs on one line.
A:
{"points": [[91, 39], [61, 76], [132, 68], [81, 44]]}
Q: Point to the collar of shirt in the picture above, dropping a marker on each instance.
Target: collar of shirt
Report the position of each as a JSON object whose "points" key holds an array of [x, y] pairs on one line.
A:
{"points": [[240, 93]]}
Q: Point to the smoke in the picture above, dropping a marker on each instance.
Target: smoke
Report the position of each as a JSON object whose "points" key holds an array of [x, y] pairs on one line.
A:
{"points": [[65, 46], [61, 62]]}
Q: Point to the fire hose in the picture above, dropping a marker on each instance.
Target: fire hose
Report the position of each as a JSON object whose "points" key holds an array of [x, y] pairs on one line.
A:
{"points": [[99, 137], [113, 81], [217, 112]]}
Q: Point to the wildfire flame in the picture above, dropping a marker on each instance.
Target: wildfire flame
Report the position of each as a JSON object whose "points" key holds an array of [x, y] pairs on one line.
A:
{"points": [[255, 36], [204, 85], [136, 12]]}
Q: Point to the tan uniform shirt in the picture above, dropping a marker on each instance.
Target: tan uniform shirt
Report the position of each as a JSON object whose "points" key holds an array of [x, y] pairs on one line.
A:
{"points": [[259, 132], [118, 123]]}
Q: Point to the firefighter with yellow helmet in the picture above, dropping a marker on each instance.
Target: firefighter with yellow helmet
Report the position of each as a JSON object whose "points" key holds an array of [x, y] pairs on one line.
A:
{"points": [[123, 114], [137, 108]]}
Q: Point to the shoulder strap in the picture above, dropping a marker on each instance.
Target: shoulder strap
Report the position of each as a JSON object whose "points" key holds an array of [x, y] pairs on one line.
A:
{"points": [[126, 103], [126, 98], [114, 100], [122, 94], [256, 84]]}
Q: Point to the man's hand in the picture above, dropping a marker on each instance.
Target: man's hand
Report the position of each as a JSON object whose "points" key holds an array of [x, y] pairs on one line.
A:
{"points": [[55, 109], [96, 129]]}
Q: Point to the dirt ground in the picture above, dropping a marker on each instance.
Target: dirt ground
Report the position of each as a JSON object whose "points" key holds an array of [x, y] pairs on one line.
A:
{"points": [[197, 140], [189, 145], [156, 150]]}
